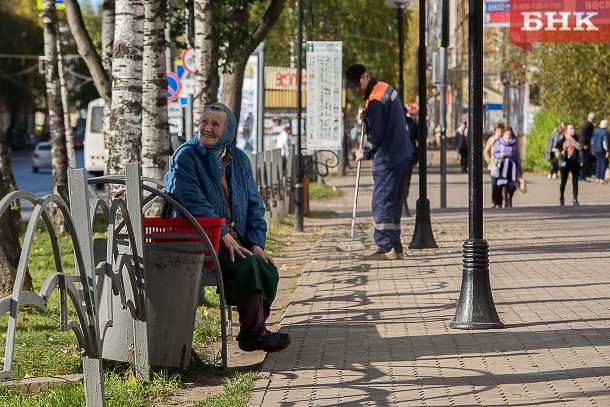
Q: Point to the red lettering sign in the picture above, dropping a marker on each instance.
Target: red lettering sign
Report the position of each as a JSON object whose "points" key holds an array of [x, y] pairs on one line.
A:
{"points": [[559, 21]]}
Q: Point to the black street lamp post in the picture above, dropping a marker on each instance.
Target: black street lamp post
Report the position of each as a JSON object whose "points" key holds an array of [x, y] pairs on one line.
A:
{"points": [[423, 237], [299, 198], [475, 309]]}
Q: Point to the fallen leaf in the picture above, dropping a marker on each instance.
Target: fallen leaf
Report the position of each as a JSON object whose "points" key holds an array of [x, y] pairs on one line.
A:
{"points": [[62, 371]]}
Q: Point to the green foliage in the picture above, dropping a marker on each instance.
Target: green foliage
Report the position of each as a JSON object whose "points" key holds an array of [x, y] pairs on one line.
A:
{"points": [[323, 192], [120, 391], [544, 123], [21, 34], [236, 391], [574, 78]]}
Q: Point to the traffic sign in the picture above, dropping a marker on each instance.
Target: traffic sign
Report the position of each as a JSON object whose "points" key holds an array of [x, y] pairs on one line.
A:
{"points": [[176, 125], [188, 60], [174, 109], [173, 86], [188, 84], [179, 68]]}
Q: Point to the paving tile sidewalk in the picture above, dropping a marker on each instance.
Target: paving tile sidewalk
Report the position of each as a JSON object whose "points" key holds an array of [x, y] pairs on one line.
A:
{"points": [[376, 333]]}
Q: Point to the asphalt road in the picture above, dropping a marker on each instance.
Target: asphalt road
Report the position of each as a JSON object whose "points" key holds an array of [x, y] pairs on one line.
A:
{"points": [[38, 183]]}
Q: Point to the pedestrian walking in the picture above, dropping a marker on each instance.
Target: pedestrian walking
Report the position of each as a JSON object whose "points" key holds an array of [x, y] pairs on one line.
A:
{"points": [[599, 146], [461, 144], [493, 164], [389, 146], [584, 153], [549, 153], [283, 142], [510, 171], [567, 151]]}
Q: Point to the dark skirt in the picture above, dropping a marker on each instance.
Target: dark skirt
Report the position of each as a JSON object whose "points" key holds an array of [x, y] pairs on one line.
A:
{"points": [[244, 276], [508, 173]]}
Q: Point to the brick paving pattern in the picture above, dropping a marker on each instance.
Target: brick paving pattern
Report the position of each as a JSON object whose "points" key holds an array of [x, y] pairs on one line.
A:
{"points": [[376, 333]]}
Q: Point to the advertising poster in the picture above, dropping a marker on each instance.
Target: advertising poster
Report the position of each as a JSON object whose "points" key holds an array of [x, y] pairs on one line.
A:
{"points": [[324, 86]]}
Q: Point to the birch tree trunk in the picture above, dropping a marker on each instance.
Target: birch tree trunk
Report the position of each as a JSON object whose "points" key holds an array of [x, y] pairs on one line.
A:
{"points": [[65, 102], [107, 34], [124, 143], [206, 76], [108, 11], [85, 47], [59, 162], [156, 146]]}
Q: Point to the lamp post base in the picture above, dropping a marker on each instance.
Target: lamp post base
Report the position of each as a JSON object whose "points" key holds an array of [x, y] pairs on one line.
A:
{"points": [[476, 309], [423, 238]]}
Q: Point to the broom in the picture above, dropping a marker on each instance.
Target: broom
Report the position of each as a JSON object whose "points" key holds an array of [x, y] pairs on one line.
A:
{"points": [[352, 245]]}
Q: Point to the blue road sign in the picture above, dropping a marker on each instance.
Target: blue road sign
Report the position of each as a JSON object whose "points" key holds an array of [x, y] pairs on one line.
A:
{"points": [[179, 70], [173, 87]]}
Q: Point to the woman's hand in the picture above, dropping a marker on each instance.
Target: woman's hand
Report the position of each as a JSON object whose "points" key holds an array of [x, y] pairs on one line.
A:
{"points": [[233, 247], [261, 254]]}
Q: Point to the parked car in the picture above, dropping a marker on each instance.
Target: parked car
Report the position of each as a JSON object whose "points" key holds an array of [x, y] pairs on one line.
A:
{"points": [[41, 157]]}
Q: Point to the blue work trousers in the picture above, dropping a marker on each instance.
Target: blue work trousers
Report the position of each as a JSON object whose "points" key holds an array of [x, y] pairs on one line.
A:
{"points": [[388, 192], [601, 164]]}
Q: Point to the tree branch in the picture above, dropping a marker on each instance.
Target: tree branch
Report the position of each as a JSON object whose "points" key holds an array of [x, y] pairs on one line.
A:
{"points": [[87, 51], [271, 15]]}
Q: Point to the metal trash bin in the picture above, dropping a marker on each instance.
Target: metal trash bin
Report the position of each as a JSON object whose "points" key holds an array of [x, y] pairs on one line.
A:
{"points": [[172, 273]]}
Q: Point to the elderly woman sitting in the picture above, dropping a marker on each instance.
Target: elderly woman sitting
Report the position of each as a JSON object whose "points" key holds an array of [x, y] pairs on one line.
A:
{"points": [[213, 178]]}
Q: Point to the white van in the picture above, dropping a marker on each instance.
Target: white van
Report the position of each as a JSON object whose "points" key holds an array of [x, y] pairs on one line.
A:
{"points": [[95, 151]]}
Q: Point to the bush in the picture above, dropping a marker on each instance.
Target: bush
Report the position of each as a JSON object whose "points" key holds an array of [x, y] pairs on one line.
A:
{"points": [[544, 123]]}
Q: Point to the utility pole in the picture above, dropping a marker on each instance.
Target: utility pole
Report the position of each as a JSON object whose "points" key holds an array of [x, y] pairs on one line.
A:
{"points": [[299, 198], [443, 103]]}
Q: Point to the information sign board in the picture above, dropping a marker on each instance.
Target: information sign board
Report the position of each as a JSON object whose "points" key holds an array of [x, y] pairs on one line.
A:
{"points": [[324, 87]]}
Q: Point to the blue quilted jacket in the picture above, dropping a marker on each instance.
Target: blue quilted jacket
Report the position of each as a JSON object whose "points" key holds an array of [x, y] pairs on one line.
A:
{"points": [[194, 177]]}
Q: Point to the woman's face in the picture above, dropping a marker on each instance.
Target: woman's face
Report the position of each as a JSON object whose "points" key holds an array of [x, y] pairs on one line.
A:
{"points": [[507, 135], [498, 133], [211, 127]]}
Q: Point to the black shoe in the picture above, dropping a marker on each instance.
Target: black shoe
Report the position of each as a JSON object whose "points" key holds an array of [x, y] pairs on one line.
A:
{"points": [[561, 203], [575, 202], [266, 341]]}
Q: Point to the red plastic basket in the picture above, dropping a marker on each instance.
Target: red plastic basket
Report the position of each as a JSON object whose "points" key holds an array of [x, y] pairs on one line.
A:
{"points": [[180, 226]]}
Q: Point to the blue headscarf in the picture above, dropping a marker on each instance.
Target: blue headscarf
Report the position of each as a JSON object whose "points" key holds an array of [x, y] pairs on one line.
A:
{"points": [[230, 126]]}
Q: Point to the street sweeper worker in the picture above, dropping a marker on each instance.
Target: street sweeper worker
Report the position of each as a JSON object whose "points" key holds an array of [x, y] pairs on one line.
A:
{"points": [[390, 148]]}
